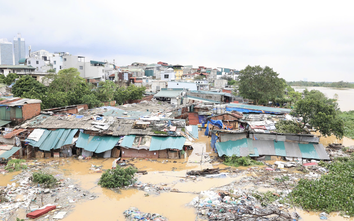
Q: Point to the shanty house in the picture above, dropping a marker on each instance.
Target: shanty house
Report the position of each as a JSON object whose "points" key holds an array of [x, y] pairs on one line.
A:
{"points": [[18, 109]]}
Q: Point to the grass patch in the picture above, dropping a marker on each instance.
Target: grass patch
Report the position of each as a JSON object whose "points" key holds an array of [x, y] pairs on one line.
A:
{"points": [[159, 132], [47, 180], [266, 198], [118, 177], [15, 165], [333, 192], [240, 161]]}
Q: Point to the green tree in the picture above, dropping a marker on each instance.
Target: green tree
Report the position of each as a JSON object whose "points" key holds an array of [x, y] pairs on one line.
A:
{"points": [[134, 92], [121, 95], [27, 84], [66, 80], [320, 112], [10, 78], [105, 91], [199, 77], [259, 83], [294, 96]]}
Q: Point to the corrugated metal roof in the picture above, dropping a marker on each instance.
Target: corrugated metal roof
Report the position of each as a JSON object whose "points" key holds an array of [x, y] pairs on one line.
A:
{"points": [[193, 129], [4, 122], [97, 144], [308, 151], [271, 148], [53, 139], [14, 133], [128, 141], [260, 108], [202, 99], [172, 93], [9, 153], [163, 143]]}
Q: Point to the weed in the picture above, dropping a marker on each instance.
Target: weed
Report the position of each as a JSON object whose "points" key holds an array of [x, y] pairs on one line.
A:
{"points": [[282, 179], [345, 149], [333, 192], [43, 178], [159, 132], [240, 161], [15, 165], [117, 177], [266, 198]]}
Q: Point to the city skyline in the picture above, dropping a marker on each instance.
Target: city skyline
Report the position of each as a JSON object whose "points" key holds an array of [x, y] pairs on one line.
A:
{"points": [[312, 40]]}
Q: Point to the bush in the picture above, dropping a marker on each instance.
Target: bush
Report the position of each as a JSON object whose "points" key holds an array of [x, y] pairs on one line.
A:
{"points": [[240, 161], [332, 192], [43, 178], [118, 177], [15, 165]]}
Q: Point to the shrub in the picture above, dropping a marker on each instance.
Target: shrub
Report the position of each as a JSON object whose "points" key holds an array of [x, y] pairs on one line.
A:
{"points": [[240, 161], [117, 177], [43, 178], [15, 165]]}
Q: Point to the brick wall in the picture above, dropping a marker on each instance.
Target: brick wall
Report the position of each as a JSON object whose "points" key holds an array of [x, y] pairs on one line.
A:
{"points": [[132, 153], [30, 110]]}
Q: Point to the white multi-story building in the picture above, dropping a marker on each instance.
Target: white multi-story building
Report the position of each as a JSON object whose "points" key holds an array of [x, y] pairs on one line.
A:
{"points": [[88, 69], [168, 75], [19, 48], [6, 53]]}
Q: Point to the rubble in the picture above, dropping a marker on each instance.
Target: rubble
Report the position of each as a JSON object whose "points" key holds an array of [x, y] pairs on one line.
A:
{"points": [[134, 214], [26, 195]]}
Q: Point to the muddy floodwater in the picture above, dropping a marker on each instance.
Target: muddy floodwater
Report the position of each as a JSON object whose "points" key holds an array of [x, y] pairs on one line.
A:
{"points": [[345, 96], [110, 205]]}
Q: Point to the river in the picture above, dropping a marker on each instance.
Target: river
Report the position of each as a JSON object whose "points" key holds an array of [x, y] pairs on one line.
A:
{"points": [[345, 95]]}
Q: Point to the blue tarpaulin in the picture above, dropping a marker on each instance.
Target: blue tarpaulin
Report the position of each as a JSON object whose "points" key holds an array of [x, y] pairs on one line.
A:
{"points": [[202, 119], [217, 123]]}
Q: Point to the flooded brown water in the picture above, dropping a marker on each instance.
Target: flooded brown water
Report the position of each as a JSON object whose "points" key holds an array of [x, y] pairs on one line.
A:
{"points": [[110, 205], [345, 96]]}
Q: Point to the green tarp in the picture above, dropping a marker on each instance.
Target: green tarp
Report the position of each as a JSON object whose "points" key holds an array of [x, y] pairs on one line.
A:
{"points": [[53, 139], [9, 153], [308, 151], [163, 143], [97, 144], [128, 141]]}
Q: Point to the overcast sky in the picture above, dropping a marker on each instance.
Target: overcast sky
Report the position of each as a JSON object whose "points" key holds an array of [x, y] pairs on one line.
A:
{"points": [[311, 40]]}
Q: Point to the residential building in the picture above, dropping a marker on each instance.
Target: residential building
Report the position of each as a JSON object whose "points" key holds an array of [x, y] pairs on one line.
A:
{"points": [[168, 75], [220, 83], [6, 53], [19, 48], [173, 96], [178, 69], [182, 85], [88, 69], [57, 61], [19, 109], [18, 69], [157, 85]]}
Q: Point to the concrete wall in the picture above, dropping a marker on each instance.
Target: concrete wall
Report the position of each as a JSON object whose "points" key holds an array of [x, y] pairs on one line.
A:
{"points": [[157, 85], [220, 83], [186, 85], [57, 62], [37, 63], [133, 153], [30, 110]]}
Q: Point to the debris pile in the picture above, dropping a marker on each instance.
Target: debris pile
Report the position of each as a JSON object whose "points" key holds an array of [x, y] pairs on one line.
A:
{"points": [[134, 214]]}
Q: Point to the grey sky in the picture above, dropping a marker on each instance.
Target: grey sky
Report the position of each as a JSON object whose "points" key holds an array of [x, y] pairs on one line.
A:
{"points": [[299, 39]]}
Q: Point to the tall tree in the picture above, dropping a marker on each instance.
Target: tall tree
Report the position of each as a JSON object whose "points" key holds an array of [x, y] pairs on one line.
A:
{"points": [[259, 83], [105, 91], [27, 84], [319, 112]]}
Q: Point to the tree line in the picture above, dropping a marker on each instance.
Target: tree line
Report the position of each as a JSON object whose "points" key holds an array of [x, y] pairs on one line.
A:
{"points": [[68, 88], [313, 108], [339, 84]]}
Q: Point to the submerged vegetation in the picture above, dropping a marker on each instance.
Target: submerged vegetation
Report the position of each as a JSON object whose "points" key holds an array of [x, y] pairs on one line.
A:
{"points": [[117, 177], [339, 84], [240, 161], [332, 192]]}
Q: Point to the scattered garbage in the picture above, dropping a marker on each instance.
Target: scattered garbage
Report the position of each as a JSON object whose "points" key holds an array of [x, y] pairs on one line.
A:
{"points": [[134, 214]]}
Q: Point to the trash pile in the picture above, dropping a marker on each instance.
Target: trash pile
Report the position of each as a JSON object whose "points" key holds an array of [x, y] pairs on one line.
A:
{"points": [[30, 197], [134, 214], [239, 205]]}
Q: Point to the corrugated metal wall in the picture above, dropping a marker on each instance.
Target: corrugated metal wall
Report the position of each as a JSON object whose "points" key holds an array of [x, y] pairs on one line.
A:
{"points": [[8, 113]]}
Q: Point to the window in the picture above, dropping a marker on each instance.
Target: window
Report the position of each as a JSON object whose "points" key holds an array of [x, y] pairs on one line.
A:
{"points": [[59, 67], [64, 59], [166, 76], [29, 62], [81, 67], [55, 62], [37, 62]]}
